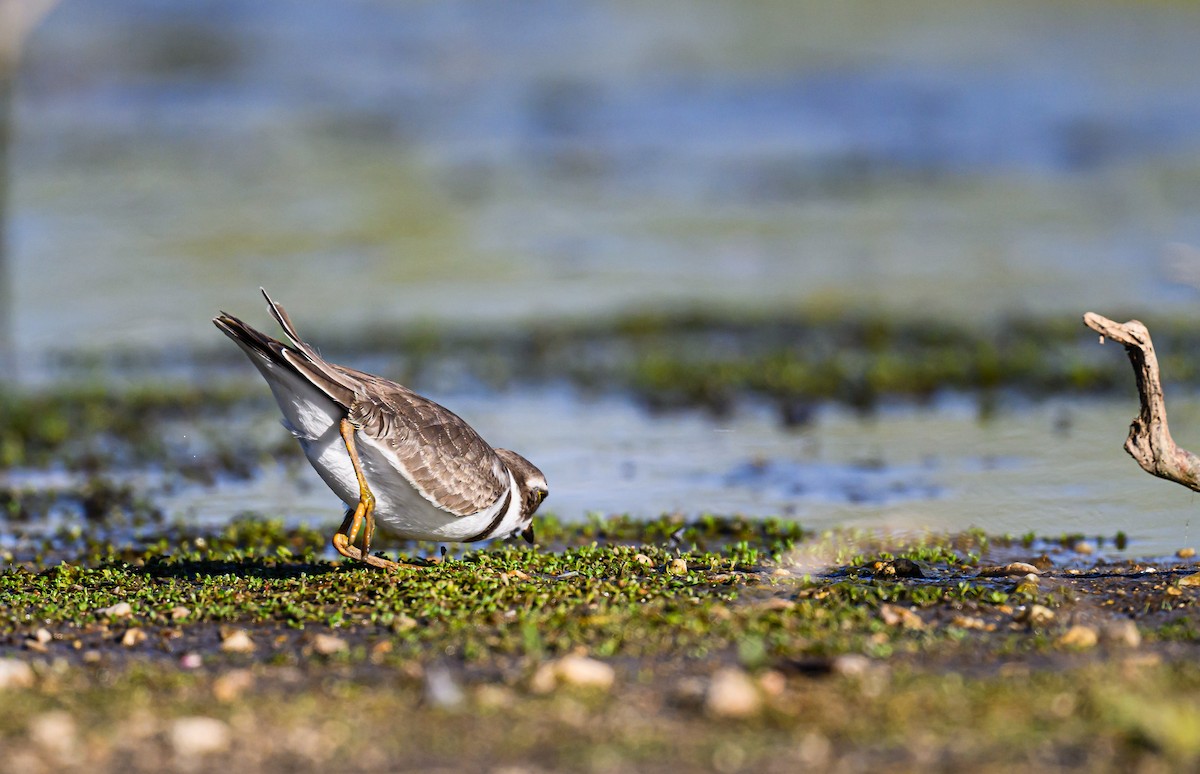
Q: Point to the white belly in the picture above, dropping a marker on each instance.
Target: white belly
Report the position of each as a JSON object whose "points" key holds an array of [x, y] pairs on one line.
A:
{"points": [[399, 507]]}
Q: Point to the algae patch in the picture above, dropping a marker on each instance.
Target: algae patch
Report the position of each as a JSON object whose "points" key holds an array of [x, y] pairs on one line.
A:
{"points": [[695, 642]]}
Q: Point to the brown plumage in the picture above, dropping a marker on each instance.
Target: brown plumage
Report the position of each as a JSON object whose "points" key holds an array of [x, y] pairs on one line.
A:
{"points": [[407, 444]]}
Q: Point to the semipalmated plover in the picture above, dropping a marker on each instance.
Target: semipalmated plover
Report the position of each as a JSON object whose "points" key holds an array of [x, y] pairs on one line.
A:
{"points": [[389, 453]]}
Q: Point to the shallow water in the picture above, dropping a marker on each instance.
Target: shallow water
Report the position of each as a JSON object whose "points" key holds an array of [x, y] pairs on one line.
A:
{"points": [[380, 163], [1051, 469], [491, 161]]}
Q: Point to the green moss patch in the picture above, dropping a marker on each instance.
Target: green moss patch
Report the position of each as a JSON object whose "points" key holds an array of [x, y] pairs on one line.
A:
{"points": [[713, 644]]}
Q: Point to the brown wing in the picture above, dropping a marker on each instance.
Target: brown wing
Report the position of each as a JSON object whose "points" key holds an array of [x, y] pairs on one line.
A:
{"points": [[337, 383], [447, 460], [436, 449]]}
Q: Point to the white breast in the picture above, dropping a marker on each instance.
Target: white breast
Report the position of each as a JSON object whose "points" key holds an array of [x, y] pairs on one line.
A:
{"points": [[399, 508], [406, 512]]}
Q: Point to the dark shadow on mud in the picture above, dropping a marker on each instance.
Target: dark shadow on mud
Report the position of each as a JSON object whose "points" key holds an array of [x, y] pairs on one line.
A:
{"points": [[254, 567]]}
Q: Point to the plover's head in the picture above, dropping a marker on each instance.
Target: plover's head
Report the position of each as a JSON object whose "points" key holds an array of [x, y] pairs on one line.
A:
{"points": [[531, 485]]}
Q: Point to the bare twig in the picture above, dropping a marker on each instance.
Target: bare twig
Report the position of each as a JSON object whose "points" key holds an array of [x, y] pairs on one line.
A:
{"points": [[1149, 440]]}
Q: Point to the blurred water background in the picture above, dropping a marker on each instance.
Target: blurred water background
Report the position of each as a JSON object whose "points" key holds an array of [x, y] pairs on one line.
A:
{"points": [[494, 163]]}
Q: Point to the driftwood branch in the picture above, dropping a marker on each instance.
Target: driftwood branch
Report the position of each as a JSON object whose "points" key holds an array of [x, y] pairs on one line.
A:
{"points": [[1149, 440]]}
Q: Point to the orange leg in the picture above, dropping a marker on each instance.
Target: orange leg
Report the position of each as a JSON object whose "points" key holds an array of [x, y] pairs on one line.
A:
{"points": [[362, 519], [343, 539]]}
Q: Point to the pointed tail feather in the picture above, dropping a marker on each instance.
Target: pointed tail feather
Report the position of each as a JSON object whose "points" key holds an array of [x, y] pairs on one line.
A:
{"points": [[301, 359], [285, 322], [305, 359], [253, 340]]}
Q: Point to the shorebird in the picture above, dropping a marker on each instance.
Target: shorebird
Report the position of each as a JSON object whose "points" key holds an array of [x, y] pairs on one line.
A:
{"points": [[391, 455]]}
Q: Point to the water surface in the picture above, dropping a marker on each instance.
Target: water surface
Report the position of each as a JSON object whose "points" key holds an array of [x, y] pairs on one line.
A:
{"points": [[495, 163], [492, 161], [1052, 469]]}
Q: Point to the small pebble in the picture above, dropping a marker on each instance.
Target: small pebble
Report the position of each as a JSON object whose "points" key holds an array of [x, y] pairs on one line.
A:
{"points": [[380, 650], [968, 622], [1079, 637], [190, 661], [850, 665], [1027, 585], [1190, 580], [906, 568], [772, 682], [327, 644], [1122, 633], [678, 567], [119, 610], [192, 737], [133, 637], [402, 623], [543, 681], [643, 560], [574, 669], [814, 752], [690, 691], [894, 615], [441, 689], [585, 672], [1043, 563], [493, 696], [1035, 615], [1141, 661], [54, 732], [179, 613], [732, 694], [518, 574], [15, 673], [237, 641], [38, 641], [1013, 568], [229, 686], [1186, 553]]}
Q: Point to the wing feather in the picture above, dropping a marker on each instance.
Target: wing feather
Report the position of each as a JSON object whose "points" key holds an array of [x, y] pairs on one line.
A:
{"points": [[443, 456]]}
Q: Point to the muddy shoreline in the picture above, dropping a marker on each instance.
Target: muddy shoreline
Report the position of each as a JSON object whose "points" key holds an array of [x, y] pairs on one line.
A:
{"points": [[134, 641], [719, 644]]}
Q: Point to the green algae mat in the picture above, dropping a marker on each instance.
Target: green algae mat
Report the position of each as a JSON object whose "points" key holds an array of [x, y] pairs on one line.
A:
{"points": [[713, 644], [128, 643]]}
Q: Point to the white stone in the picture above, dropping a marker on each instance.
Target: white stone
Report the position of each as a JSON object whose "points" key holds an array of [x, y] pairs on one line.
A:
{"points": [[15, 673], [195, 736], [328, 644], [585, 672], [119, 610], [732, 694], [54, 732], [441, 689], [237, 642]]}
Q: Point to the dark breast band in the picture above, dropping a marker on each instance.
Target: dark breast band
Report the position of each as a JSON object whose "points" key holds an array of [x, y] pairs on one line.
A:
{"points": [[495, 522]]}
